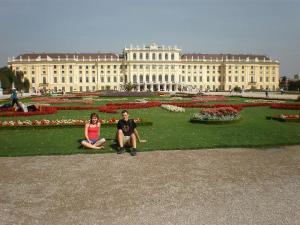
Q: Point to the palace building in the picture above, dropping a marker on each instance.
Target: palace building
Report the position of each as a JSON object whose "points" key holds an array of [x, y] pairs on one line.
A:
{"points": [[150, 68]]}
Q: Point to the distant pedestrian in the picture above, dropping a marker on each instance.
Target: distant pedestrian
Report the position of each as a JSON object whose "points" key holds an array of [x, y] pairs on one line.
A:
{"points": [[14, 98], [281, 91], [267, 93]]}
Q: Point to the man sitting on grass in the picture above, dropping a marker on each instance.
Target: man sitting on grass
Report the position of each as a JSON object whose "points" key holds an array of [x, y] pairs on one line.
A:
{"points": [[127, 134]]}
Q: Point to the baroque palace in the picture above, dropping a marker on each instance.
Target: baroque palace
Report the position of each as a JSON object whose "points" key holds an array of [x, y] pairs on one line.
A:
{"points": [[153, 67]]}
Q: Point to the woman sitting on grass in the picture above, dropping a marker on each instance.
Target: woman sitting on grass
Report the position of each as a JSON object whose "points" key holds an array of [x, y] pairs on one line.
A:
{"points": [[92, 134]]}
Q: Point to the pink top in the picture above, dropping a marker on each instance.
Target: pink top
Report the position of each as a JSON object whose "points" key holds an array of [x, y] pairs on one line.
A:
{"points": [[93, 132]]}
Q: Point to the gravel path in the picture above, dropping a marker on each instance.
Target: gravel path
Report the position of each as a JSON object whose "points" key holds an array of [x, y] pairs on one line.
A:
{"points": [[223, 186]]}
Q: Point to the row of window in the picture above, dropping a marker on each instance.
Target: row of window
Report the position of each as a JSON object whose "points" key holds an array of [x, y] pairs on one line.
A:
{"points": [[153, 56], [155, 87]]}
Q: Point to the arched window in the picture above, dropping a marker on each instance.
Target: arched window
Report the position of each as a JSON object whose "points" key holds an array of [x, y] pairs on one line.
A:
{"points": [[172, 78], [153, 56], [153, 78], [134, 56], [141, 56], [159, 56], [172, 56], [147, 56], [160, 78], [141, 79], [166, 78], [134, 78], [147, 78], [166, 56]]}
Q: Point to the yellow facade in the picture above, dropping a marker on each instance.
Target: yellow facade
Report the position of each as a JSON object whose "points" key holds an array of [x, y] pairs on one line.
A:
{"points": [[155, 68]]}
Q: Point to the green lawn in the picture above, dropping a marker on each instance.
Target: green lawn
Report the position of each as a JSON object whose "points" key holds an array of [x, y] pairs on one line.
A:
{"points": [[169, 131]]}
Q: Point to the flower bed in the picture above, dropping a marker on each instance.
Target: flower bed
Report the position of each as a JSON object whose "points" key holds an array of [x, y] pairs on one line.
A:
{"points": [[264, 101], [63, 123], [134, 105], [57, 100], [285, 118], [216, 115], [126, 94], [173, 108], [286, 106], [41, 111]]}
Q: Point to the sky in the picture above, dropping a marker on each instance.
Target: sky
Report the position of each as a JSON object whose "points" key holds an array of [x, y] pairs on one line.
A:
{"points": [[269, 27]]}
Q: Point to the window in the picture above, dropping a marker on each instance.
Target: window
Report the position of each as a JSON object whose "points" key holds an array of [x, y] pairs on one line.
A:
{"points": [[195, 79], [166, 56], [134, 56], [63, 79], [141, 79], [141, 56], [160, 78], [80, 67], [260, 79], [93, 79], [102, 79], [207, 79], [44, 80], [86, 79], [115, 79], [62, 66], [147, 78], [108, 79], [153, 78], [32, 80], [172, 56], [159, 56], [153, 56], [141, 66], [80, 79], [172, 78], [54, 66], [166, 78], [134, 78], [70, 79], [229, 79], [147, 56]]}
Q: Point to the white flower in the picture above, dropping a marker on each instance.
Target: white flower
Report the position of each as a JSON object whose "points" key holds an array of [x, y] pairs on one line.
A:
{"points": [[173, 108]]}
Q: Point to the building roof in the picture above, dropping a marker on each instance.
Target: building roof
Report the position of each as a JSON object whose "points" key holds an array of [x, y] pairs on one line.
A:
{"points": [[64, 56], [224, 56]]}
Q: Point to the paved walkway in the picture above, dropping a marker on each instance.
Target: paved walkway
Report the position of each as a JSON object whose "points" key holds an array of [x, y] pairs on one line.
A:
{"points": [[223, 186]]}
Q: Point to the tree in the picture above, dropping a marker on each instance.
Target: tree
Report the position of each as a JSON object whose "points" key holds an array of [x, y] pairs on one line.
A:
{"points": [[294, 85], [283, 83], [8, 76], [129, 86]]}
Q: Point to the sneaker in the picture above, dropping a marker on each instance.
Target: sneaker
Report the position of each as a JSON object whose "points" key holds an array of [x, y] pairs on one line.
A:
{"points": [[120, 150], [133, 152]]}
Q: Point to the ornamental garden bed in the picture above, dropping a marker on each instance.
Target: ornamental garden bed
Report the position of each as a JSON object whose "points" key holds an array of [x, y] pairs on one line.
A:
{"points": [[285, 118], [64, 123], [221, 115]]}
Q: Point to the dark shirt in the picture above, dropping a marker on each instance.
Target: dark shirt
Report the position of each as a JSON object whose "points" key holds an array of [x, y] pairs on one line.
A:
{"points": [[126, 126]]}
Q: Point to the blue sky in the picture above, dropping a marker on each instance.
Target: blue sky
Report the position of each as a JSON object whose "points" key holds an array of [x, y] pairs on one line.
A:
{"points": [[270, 27]]}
